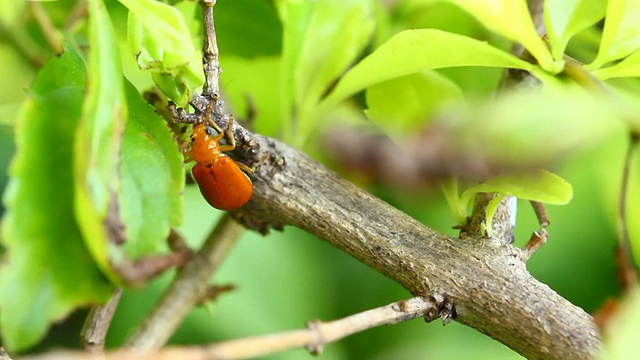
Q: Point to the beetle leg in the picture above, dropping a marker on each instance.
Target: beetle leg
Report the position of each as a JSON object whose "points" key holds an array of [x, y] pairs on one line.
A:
{"points": [[245, 168], [209, 120]]}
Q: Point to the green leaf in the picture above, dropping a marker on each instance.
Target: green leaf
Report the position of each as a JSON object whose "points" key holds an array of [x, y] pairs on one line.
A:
{"points": [[161, 41], [621, 33], [565, 18], [48, 272], [152, 179], [98, 140], [541, 186], [403, 105], [412, 51], [320, 40], [511, 19], [262, 36], [255, 79], [158, 34], [629, 67]]}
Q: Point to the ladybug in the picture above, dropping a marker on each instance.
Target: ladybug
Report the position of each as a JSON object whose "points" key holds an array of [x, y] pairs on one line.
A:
{"points": [[221, 179]]}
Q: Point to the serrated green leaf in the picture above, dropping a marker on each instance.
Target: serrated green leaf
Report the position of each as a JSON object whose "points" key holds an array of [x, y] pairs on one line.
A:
{"points": [[314, 65], [49, 271], [412, 51], [565, 18], [98, 140], [176, 70], [511, 19], [404, 104], [152, 179], [621, 33], [158, 34], [629, 67], [540, 185]]}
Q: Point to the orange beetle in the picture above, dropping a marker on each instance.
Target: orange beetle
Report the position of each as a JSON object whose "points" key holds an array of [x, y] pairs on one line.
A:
{"points": [[220, 178]]}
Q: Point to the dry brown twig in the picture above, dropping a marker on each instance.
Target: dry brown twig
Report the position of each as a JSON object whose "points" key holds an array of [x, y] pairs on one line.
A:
{"points": [[315, 337], [96, 326]]}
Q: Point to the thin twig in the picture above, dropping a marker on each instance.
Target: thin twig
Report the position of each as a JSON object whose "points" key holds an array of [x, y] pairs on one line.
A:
{"points": [[628, 271], [4, 355], [51, 34], [538, 238], [78, 13], [95, 328], [541, 214], [318, 334], [18, 38], [210, 60], [315, 337], [187, 289]]}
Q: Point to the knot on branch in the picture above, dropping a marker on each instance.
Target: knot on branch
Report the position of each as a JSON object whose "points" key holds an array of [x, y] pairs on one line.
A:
{"points": [[443, 308]]}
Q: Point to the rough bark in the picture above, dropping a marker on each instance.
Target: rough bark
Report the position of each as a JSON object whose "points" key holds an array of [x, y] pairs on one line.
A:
{"points": [[483, 284]]}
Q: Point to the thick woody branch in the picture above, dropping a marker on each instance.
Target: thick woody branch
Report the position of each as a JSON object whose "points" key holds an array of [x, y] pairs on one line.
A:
{"points": [[488, 286]]}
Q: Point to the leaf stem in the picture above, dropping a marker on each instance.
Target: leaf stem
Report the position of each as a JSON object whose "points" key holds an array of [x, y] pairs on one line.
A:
{"points": [[210, 60], [629, 271]]}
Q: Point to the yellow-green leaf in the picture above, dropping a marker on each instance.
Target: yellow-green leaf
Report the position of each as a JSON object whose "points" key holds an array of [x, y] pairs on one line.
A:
{"points": [[511, 19], [540, 185], [621, 33], [412, 51], [565, 18]]}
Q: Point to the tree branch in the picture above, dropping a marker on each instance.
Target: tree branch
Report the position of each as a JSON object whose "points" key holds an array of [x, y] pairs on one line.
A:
{"points": [[188, 288], [488, 286]]}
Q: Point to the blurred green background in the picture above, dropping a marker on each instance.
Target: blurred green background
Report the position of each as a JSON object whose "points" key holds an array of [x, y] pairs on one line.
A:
{"points": [[290, 277]]}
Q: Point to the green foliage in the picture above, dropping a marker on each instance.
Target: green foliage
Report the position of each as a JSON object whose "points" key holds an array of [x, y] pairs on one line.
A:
{"points": [[309, 66], [511, 19], [412, 51], [161, 42], [246, 37], [541, 186], [566, 18], [150, 165], [620, 36], [82, 171], [49, 271], [419, 95]]}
